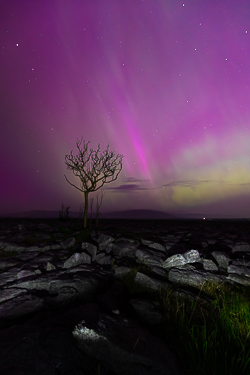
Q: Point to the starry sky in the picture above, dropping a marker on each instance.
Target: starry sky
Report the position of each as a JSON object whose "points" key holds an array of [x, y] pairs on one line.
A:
{"points": [[166, 83]]}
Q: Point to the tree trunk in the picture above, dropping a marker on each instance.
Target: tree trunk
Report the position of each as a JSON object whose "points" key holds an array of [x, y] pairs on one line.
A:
{"points": [[86, 208]]}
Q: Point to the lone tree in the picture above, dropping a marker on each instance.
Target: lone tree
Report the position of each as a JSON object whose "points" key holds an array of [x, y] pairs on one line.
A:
{"points": [[103, 165]]}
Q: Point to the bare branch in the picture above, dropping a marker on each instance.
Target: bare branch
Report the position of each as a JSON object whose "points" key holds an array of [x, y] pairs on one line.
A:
{"points": [[72, 184]]}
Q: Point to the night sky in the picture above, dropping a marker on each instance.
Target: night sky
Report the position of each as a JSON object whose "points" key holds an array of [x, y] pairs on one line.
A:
{"points": [[166, 83]]}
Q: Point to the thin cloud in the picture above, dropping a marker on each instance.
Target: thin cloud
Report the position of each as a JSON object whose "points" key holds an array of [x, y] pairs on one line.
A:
{"points": [[192, 183], [127, 188]]}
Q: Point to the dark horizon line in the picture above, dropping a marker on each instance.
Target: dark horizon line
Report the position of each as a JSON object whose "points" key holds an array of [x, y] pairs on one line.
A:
{"points": [[125, 215]]}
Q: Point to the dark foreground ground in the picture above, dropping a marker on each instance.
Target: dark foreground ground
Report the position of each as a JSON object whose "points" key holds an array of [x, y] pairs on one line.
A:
{"points": [[26, 340]]}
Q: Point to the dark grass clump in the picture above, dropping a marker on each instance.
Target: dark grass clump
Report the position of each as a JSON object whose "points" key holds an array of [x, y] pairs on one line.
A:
{"points": [[207, 340]]}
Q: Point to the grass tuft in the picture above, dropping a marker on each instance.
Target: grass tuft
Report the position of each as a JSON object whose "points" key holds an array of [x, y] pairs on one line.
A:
{"points": [[207, 340]]}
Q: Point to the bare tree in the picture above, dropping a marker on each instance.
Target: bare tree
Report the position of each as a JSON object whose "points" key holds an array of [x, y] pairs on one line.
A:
{"points": [[103, 165], [97, 208]]}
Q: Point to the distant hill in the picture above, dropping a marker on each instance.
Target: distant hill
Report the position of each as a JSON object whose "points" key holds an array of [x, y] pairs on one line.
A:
{"points": [[129, 214], [137, 214]]}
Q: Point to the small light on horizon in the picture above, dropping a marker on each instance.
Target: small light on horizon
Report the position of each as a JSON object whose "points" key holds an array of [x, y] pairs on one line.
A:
{"points": [[204, 218]]}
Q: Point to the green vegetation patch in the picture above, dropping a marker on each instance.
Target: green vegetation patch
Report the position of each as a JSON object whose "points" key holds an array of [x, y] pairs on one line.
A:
{"points": [[207, 340]]}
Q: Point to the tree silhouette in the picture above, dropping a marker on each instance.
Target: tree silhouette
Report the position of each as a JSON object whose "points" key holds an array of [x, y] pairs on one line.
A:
{"points": [[103, 165]]}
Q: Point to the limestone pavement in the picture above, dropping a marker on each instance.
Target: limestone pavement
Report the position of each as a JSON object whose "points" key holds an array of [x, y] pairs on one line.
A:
{"points": [[64, 310]]}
